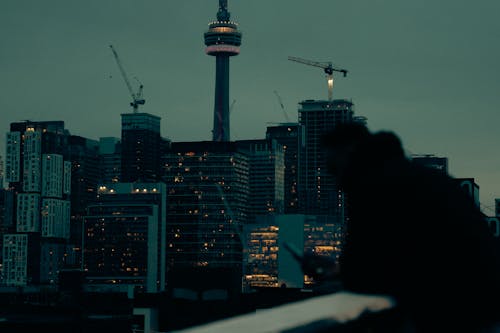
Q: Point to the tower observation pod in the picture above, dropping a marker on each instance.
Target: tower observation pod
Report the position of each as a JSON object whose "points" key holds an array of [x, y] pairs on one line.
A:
{"points": [[223, 40]]}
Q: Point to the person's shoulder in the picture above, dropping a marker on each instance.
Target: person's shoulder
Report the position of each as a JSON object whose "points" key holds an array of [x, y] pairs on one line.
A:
{"points": [[441, 188]]}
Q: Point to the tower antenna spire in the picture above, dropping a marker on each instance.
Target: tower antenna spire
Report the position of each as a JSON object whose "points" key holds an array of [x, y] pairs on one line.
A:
{"points": [[223, 14]]}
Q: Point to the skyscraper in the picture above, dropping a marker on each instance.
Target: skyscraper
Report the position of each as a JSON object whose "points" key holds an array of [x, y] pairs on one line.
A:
{"points": [[141, 142], [207, 203], [289, 135], [266, 177], [40, 174], [222, 40], [208, 189], [318, 191]]}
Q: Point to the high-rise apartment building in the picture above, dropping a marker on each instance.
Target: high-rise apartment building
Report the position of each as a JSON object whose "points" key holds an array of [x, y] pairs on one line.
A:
{"points": [[15, 260], [39, 173], [289, 136], [141, 144], [7, 225], [318, 191], [125, 237]]}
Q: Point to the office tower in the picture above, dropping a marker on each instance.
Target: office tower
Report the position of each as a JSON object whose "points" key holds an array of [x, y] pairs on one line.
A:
{"points": [[125, 237], [208, 190], [208, 203], [318, 191], [223, 40], [261, 253], [266, 177], [289, 136], [268, 263], [110, 160], [430, 161], [39, 173], [141, 142]]}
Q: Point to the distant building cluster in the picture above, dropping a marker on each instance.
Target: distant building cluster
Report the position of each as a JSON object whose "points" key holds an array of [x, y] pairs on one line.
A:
{"points": [[130, 211], [141, 213], [198, 221]]}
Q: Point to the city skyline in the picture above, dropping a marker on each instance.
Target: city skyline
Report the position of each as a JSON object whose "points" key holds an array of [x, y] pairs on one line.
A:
{"points": [[424, 70]]}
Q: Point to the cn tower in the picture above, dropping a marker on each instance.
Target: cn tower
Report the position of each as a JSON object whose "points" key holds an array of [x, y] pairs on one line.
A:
{"points": [[223, 40]]}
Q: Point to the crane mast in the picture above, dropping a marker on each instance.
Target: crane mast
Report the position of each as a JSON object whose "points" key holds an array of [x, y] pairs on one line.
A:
{"points": [[136, 97], [282, 106], [327, 67]]}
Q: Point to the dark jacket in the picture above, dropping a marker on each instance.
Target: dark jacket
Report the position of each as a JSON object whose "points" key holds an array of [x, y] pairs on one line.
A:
{"points": [[414, 235]]}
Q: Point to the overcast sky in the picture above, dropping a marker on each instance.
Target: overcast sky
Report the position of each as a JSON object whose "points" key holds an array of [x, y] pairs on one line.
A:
{"points": [[428, 69]]}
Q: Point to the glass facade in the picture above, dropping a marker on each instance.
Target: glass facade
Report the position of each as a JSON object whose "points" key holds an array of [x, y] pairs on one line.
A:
{"points": [[208, 195]]}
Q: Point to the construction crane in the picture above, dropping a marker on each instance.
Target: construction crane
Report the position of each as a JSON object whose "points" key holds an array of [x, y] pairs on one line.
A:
{"points": [[137, 98], [327, 67], [282, 106]]}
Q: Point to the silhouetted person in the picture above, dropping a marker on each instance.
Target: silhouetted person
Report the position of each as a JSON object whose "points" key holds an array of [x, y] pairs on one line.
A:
{"points": [[414, 235]]}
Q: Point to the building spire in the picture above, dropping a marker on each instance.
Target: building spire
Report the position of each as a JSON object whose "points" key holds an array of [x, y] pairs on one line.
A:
{"points": [[223, 14]]}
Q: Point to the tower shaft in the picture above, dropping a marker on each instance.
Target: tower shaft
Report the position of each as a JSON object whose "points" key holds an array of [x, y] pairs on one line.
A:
{"points": [[221, 105]]}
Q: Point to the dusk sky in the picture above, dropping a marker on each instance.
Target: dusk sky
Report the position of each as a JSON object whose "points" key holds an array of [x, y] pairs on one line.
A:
{"points": [[428, 70]]}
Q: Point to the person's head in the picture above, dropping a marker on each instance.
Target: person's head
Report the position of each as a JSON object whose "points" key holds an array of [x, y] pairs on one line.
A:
{"points": [[340, 144], [351, 148]]}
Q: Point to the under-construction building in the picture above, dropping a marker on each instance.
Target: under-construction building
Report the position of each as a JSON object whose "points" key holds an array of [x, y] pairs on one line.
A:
{"points": [[318, 190]]}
